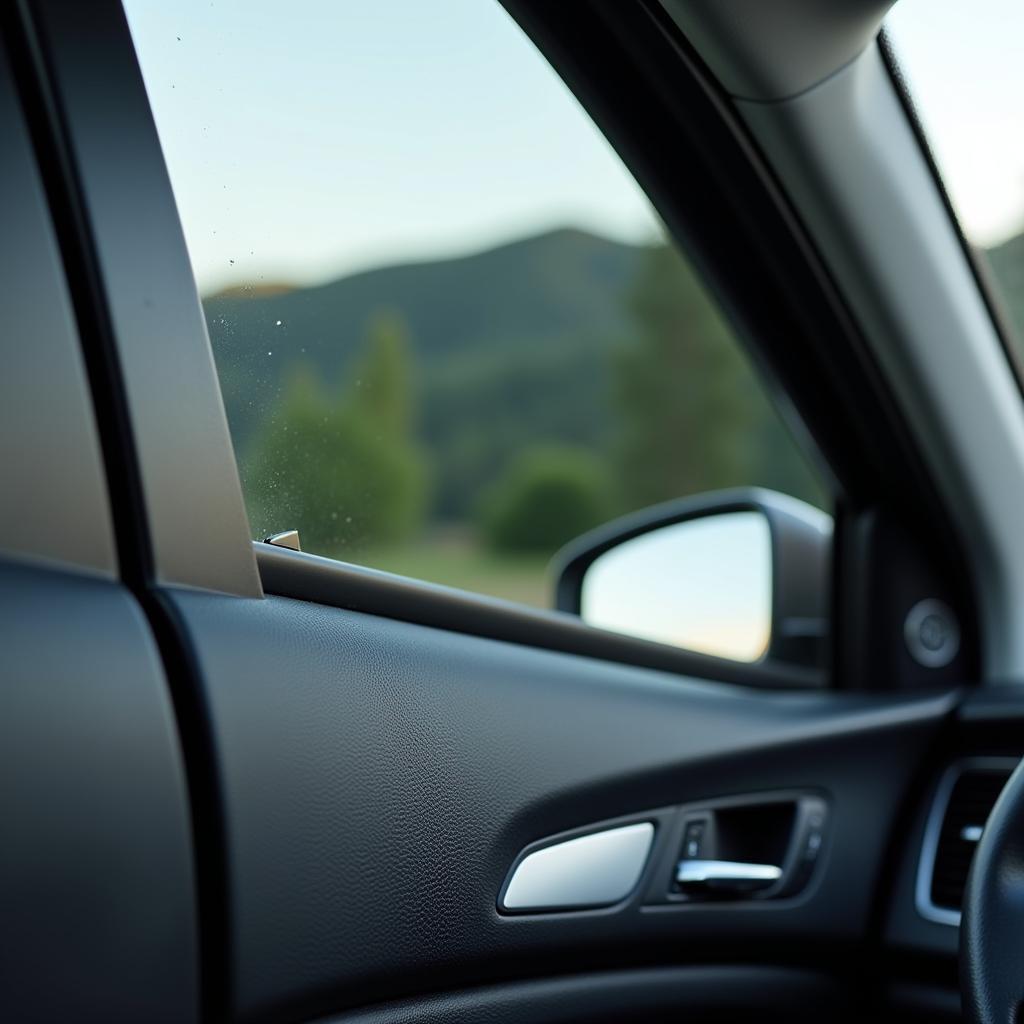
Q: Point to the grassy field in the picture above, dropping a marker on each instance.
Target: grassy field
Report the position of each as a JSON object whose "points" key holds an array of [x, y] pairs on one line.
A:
{"points": [[457, 560]]}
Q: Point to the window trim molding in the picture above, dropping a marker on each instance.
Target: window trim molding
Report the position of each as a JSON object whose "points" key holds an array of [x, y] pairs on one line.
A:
{"points": [[306, 577]]}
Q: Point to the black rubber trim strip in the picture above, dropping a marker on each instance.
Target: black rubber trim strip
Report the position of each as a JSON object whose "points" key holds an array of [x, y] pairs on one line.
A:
{"points": [[307, 577], [206, 804]]}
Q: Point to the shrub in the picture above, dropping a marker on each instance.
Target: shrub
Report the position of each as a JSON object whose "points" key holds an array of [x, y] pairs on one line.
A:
{"points": [[344, 471], [547, 497]]}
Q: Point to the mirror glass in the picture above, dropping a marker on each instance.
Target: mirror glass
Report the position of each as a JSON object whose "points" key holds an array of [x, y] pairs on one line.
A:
{"points": [[704, 584]]}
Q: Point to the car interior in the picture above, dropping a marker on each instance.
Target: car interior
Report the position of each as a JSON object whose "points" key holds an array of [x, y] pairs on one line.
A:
{"points": [[752, 753]]}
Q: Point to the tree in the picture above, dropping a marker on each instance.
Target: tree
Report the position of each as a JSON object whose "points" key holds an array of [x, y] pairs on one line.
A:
{"points": [[382, 389], [548, 496], [693, 417], [344, 472]]}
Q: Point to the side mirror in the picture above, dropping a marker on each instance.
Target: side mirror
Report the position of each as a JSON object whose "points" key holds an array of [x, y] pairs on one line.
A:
{"points": [[741, 574]]}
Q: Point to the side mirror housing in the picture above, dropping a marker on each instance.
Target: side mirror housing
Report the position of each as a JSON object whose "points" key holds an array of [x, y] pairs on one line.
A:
{"points": [[740, 574]]}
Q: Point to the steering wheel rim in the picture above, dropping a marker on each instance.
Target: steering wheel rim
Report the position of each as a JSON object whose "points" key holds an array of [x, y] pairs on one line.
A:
{"points": [[992, 923]]}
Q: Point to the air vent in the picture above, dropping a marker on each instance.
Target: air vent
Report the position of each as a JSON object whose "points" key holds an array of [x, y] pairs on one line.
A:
{"points": [[962, 805]]}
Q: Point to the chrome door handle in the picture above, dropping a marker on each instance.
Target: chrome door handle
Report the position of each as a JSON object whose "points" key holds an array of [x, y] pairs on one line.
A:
{"points": [[593, 870], [725, 876]]}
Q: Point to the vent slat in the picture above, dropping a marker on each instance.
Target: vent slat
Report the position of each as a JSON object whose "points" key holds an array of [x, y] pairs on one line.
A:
{"points": [[970, 802]]}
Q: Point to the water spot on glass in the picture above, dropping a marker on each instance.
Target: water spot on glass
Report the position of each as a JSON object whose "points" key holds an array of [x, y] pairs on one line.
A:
{"points": [[277, 323]]}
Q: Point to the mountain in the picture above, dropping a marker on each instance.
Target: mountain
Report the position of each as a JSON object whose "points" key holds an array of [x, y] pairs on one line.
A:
{"points": [[537, 287], [514, 348], [557, 290]]}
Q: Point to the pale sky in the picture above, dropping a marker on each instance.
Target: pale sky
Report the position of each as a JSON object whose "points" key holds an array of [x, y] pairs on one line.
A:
{"points": [[964, 60], [310, 140]]}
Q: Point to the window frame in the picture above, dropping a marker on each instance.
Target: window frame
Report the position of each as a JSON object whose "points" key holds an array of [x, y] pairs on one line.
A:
{"points": [[650, 95]]}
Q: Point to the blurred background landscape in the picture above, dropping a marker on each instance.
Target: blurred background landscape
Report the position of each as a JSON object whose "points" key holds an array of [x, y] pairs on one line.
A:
{"points": [[459, 420]]}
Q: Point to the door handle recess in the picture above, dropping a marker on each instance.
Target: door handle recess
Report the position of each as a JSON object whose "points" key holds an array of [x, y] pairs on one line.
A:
{"points": [[725, 876]]}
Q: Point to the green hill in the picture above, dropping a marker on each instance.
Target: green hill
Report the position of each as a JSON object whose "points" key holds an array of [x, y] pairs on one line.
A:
{"points": [[525, 295], [514, 337]]}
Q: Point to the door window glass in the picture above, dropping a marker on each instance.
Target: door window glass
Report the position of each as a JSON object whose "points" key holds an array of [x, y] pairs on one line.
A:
{"points": [[450, 331]]}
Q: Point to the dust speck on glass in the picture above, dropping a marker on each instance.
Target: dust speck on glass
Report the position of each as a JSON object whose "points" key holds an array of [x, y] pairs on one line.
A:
{"points": [[450, 332]]}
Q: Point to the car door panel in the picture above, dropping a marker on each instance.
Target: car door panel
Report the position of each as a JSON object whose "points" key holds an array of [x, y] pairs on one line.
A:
{"points": [[98, 887], [379, 779]]}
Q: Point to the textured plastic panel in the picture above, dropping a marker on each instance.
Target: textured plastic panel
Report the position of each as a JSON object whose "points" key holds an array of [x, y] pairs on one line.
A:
{"points": [[710, 993], [96, 889], [380, 777]]}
